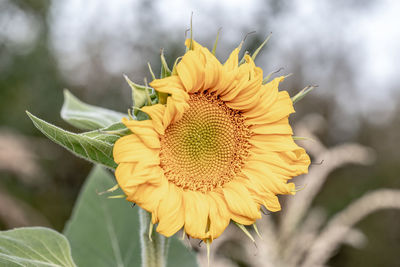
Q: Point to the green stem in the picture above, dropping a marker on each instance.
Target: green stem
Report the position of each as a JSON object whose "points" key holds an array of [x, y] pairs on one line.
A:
{"points": [[153, 251]]}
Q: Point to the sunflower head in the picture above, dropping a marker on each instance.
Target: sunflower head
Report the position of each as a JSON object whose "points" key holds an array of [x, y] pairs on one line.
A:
{"points": [[206, 148], [218, 149]]}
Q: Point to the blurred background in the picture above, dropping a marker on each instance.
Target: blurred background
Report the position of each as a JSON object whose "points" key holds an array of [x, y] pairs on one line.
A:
{"points": [[351, 49]]}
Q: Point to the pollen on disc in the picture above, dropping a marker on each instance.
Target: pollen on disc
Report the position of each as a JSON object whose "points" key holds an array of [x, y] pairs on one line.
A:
{"points": [[206, 148]]}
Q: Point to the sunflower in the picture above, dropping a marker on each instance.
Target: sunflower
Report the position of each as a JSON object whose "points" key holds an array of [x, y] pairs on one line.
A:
{"points": [[219, 149]]}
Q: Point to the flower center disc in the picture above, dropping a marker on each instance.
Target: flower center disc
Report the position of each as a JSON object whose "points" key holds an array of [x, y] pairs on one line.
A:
{"points": [[207, 147]]}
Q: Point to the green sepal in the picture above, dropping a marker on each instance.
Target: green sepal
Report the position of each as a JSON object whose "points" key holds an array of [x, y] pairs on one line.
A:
{"points": [[165, 70], [216, 42], [301, 138], [243, 60], [243, 228], [266, 79], [191, 34], [142, 116], [141, 95], [303, 93], [260, 47], [151, 71], [174, 70]]}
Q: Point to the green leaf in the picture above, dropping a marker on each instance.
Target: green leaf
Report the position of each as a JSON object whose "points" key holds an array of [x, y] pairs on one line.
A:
{"points": [[95, 146], [105, 232], [34, 246], [102, 231], [87, 117]]}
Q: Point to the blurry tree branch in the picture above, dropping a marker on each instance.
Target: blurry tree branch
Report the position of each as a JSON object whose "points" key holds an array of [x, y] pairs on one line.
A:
{"points": [[341, 224]]}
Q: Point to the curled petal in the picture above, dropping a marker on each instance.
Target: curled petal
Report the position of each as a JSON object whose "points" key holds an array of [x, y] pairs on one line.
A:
{"points": [[148, 196], [191, 71], [240, 203], [156, 113], [260, 174], [280, 109], [268, 96], [145, 131]]}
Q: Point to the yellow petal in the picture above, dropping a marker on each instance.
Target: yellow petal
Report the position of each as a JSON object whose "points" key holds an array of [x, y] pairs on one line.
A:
{"points": [[147, 173], [239, 202], [176, 102], [242, 219], [260, 174], [212, 67], [280, 109], [156, 113], [170, 211], [229, 71], [148, 196], [130, 148], [233, 60], [123, 176], [272, 203], [170, 85], [232, 92], [279, 127], [174, 111], [263, 197], [145, 131], [212, 73], [218, 214], [191, 71], [196, 214], [249, 83], [281, 164], [248, 89], [131, 175], [273, 142], [268, 96], [299, 158]]}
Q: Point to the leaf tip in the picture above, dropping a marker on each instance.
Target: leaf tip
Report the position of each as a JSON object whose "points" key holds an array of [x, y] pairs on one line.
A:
{"points": [[66, 92], [30, 115]]}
